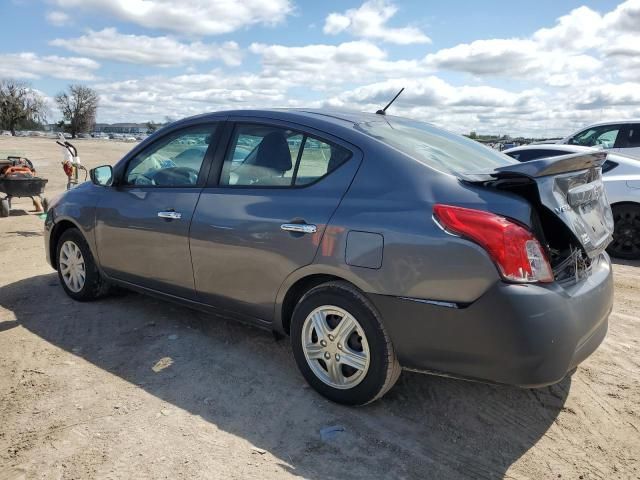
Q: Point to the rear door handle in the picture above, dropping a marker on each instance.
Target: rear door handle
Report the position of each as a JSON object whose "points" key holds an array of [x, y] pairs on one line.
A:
{"points": [[170, 215], [298, 227]]}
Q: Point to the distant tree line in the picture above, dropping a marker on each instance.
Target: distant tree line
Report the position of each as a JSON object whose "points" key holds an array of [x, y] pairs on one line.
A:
{"points": [[22, 107], [501, 138]]}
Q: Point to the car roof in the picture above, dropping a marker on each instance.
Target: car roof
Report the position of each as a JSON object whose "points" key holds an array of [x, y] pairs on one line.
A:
{"points": [[325, 115], [612, 122]]}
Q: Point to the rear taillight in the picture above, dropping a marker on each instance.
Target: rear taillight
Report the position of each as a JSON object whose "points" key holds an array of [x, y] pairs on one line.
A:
{"points": [[516, 252]]}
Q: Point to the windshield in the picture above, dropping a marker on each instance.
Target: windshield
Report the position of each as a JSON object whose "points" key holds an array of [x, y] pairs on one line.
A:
{"points": [[435, 147]]}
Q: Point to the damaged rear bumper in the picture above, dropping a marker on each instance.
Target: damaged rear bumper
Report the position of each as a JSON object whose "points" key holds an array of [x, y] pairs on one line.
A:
{"points": [[525, 335]]}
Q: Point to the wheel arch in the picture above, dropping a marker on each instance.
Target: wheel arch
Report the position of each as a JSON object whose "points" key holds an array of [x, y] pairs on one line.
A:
{"points": [[300, 282], [58, 229]]}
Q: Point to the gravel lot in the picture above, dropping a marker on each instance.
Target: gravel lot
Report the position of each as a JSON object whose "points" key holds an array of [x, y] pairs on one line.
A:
{"points": [[133, 387]]}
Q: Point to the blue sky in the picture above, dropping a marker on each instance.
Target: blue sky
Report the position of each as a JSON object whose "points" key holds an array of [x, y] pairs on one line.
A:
{"points": [[539, 68]]}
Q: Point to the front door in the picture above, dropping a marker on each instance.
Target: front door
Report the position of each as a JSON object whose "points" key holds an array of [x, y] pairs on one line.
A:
{"points": [[277, 191], [142, 223]]}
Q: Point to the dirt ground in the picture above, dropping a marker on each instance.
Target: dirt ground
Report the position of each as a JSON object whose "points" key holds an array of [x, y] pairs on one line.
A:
{"points": [[133, 387]]}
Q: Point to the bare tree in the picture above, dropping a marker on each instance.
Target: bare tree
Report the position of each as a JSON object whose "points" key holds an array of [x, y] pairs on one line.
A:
{"points": [[20, 105], [78, 106]]}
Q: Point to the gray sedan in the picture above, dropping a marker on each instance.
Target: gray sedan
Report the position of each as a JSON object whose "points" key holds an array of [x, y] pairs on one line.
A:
{"points": [[374, 242]]}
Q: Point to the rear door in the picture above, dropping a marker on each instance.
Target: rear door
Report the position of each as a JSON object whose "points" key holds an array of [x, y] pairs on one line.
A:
{"points": [[263, 216], [142, 223]]}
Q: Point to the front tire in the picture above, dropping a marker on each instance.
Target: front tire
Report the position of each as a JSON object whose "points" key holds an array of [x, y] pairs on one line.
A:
{"points": [[626, 233], [77, 270], [341, 346]]}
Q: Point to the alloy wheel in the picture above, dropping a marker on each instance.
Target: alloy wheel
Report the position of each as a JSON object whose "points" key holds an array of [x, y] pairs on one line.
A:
{"points": [[72, 266], [335, 347]]}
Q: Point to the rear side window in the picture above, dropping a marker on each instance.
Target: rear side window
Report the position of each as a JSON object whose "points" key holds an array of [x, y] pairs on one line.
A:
{"points": [[266, 156], [434, 147], [319, 158]]}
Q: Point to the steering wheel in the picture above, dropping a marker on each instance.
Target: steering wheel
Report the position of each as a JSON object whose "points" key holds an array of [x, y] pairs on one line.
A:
{"points": [[142, 179], [175, 176]]}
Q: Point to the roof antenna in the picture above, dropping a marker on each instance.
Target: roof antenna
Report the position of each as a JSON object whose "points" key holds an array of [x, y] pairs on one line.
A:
{"points": [[384, 110]]}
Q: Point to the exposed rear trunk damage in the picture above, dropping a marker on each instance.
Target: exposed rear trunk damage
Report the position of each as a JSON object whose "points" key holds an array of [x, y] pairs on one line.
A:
{"points": [[573, 218]]}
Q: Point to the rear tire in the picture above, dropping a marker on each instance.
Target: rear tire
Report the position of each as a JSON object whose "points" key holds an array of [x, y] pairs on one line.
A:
{"points": [[5, 207], [626, 233], [341, 346], [77, 270]]}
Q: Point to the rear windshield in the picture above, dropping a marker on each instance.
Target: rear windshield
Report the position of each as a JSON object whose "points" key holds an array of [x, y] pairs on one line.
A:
{"points": [[435, 147]]}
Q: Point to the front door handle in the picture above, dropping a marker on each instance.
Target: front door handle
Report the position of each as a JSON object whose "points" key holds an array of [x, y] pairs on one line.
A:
{"points": [[298, 227], [171, 215]]}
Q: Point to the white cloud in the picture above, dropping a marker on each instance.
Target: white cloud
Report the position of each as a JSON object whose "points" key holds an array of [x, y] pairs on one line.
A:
{"points": [[494, 110], [582, 43], [370, 21], [190, 17], [575, 31], [625, 17], [511, 57], [584, 67], [58, 18], [30, 65], [141, 49], [178, 96], [336, 23], [323, 67], [608, 95], [431, 91]]}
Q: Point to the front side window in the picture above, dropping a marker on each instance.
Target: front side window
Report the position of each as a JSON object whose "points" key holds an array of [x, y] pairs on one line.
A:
{"points": [[266, 156], [173, 161], [604, 136]]}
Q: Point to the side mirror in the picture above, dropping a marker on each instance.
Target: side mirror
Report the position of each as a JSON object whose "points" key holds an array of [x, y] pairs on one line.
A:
{"points": [[102, 175]]}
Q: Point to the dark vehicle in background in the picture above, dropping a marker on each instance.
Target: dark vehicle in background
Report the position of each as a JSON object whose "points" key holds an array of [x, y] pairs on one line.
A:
{"points": [[621, 177], [375, 242]]}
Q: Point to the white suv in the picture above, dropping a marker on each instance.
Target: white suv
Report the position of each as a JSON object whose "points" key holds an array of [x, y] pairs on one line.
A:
{"points": [[619, 136]]}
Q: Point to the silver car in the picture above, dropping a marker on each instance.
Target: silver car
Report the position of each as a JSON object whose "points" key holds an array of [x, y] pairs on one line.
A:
{"points": [[374, 242]]}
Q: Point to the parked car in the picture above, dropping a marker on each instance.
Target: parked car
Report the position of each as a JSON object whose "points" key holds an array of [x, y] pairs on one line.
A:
{"points": [[621, 176], [622, 136], [375, 242]]}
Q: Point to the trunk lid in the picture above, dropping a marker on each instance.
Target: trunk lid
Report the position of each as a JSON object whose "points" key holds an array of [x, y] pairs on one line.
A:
{"points": [[571, 187]]}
